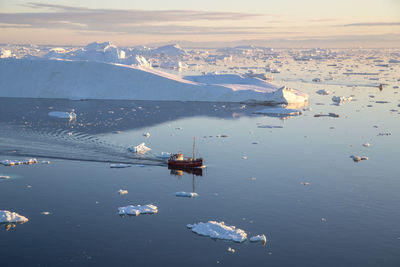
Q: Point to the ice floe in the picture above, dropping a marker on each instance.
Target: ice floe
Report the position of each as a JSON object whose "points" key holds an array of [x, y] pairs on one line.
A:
{"points": [[63, 115], [186, 194], [341, 99], [137, 210], [333, 115], [122, 192], [8, 162], [258, 238], [11, 217], [323, 92], [120, 165], [218, 230], [358, 158], [140, 149]]}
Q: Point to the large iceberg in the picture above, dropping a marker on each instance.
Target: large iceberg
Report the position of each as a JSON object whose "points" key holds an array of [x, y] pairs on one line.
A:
{"points": [[44, 78]]}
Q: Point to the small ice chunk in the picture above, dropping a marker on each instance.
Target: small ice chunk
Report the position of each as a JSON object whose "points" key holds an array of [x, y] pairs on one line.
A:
{"points": [[259, 238], [358, 158], [333, 115], [141, 149], [341, 99], [4, 177], [219, 230], [62, 115], [119, 165], [323, 92], [122, 192], [186, 194], [366, 145], [11, 217], [137, 210]]}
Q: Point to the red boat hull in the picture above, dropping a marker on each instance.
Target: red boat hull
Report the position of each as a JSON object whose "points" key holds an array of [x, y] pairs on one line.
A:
{"points": [[197, 163]]}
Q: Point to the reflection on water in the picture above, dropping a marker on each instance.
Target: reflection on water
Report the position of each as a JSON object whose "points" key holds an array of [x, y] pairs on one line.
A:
{"points": [[10, 226]]}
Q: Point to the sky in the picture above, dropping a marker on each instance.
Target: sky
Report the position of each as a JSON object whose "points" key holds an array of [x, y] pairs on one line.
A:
{"points": [[278, 23]]}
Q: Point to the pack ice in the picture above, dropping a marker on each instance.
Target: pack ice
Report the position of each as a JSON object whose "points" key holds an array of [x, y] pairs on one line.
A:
{"points": [[11, 217], [219, 230]]}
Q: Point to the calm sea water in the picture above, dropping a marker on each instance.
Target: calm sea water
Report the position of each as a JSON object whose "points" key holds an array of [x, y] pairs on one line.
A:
{"points": [[348, 214]]}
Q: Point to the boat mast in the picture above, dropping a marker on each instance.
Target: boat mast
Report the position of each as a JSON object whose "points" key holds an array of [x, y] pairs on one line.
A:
{"points": [[194, 144]]}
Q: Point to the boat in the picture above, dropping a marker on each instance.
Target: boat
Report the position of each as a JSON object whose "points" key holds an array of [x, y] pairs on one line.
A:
{"points": [[178, 161]]}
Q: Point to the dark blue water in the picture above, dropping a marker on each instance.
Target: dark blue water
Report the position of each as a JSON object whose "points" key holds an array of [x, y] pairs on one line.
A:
{"points": [[349, 214]]}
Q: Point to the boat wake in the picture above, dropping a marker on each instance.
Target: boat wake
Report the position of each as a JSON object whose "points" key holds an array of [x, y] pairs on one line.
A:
{"points": [[68, 145]]}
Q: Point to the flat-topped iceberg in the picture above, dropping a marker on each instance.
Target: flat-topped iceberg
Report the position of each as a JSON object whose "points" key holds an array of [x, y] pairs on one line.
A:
{"points": [[219, 230], [137, 210], [11, 217], [44, 78]]}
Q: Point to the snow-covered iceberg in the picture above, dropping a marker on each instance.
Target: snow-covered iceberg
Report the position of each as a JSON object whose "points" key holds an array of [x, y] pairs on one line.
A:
{"points": [[219, 230], [137, 210], [43, 78], [11, 217], [141, 149]]}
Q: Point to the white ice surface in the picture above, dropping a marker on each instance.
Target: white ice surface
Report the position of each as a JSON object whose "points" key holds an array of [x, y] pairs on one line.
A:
{"points": [[43, 78], [11, 217], [137, 210], [219, 230], [186, 194]]}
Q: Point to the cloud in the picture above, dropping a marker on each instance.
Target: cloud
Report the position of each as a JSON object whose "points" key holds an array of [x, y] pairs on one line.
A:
{"points": [[49, 16], [369, 24]]}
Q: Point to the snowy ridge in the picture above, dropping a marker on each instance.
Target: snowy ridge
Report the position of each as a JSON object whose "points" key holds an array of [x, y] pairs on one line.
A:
{"points": [[98, 80]]}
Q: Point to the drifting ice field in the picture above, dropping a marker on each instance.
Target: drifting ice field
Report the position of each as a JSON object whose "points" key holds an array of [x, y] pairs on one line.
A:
{"points": [[287, 176]]}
